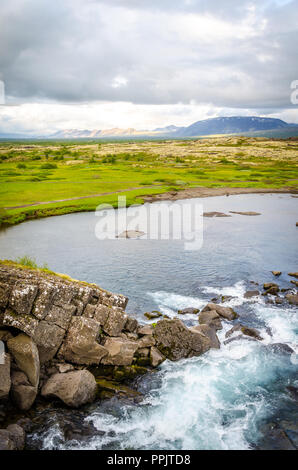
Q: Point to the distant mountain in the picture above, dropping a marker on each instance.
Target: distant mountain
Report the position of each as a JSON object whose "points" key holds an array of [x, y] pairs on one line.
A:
{"points": [[231, 125], [214, 126]]}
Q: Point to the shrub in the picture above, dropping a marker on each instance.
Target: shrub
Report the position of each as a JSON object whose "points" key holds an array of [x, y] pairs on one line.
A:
{"points": [[21, 165], [30, 263], [48, 166]]}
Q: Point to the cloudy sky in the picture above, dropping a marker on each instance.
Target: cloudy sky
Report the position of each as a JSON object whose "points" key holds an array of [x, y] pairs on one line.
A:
{"points": [[96, 64]]}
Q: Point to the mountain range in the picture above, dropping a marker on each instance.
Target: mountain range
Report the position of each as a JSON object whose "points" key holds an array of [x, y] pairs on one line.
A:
{"points": [[214, 126]]}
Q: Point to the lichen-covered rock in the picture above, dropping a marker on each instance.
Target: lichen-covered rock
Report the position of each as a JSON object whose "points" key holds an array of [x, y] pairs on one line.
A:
{"points": [[74, 388], [22, 392], [211, 318], [44, 299], [81, 344], [111, 319], [120, 351], [252, 332], [4, 294], [146, 341], [48, 338], [175, 341], [22, 297], [25, 323], [25, 353], [226, 312], [60, 316], [5, 382]]}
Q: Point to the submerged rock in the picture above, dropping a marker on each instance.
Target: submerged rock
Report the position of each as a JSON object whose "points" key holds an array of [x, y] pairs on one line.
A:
{"points": [[215, 214], [293, 274], [73, 388], [152, 315], [131, 234], [245, 330], [251, 293], [251, 213], [276, 273], [271, 288], [190, 310]]}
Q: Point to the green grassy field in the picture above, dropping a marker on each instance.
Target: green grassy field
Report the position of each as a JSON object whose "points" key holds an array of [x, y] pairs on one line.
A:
{"points": [[43, 174]]}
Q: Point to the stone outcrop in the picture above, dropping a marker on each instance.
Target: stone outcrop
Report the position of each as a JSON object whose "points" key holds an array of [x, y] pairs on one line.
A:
{"points": [[12, 438], [73, 388], [211, 318], [26, 356]]}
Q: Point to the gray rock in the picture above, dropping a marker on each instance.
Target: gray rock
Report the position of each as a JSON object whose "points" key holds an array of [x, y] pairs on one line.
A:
{"points": [[73, 388], [210, 334], [60, 316], [175, 341], [245, 330], [131, 325], [292, 299], [190, 310], [25, 323], [211, 318], [226, 312], [251, 293], [23, 393], [12, 438], [81, 344], [145, 330], [156, 358], [25, 353], [22, 297], [5, 382], [146, 341], [48, 338], [120, 351]]}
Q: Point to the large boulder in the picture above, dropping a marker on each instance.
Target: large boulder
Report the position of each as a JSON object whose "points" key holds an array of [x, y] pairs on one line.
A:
{"points": [[22, 392], [5, 382], [245, 330], [81, 344], [175, 341], [74, 388], [48, 338], [210, 340], [12, 438], [226, 312], [211, 318], [25, 353], [120, 351]]}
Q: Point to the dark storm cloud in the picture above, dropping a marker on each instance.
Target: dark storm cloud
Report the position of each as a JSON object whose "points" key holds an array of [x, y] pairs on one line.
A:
{"points": [[228, 53]]}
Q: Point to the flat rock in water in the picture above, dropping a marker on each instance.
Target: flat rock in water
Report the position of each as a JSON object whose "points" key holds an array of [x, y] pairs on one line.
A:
{"points": [[190, 310], [131, 234], [276, 273], [293, 274], [292, 299], [251, 293], [245, 213], [215, 214]]}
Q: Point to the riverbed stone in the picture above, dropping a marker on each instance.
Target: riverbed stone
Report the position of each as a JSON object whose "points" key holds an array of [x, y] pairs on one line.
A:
{"points": [[25, 323], [251, 293], [74, 388], [26, 355], [81, 344]]}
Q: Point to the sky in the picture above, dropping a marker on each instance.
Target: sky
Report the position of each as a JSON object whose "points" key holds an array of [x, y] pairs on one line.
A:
{"points": [[98, 64]]}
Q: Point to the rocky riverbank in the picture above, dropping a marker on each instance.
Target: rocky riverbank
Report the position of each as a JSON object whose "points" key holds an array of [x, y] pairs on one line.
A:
{"points": [[70, 342]]}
